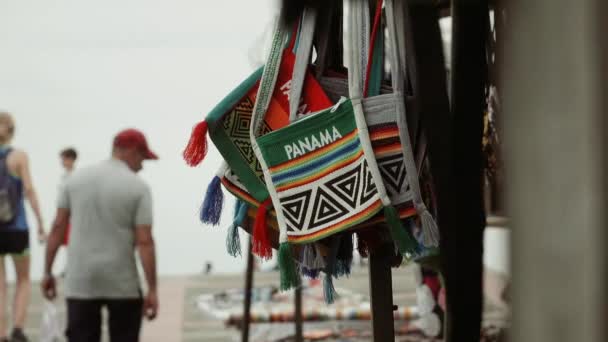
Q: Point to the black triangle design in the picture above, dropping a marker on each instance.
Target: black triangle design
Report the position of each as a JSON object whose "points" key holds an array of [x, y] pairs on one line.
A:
{"points": [[325, 209], [240, 125], [369, 189], [244, 147], [347, 186], [393, 172], [294, 209]]}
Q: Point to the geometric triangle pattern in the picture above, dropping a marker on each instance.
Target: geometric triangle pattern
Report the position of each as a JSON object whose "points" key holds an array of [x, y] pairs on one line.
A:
{"points": [[347, 186], [236, 125], [369, 187], [294, 208], [330, 201], [392, 169], [325, 209]]}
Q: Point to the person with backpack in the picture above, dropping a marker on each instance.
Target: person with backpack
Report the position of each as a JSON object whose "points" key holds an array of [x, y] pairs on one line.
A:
{"points": [[15, 187]]}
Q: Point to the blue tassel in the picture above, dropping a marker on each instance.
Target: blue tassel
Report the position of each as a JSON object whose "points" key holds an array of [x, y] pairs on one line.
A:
{"points": [[233, 241], [344, 258], [312, 273], [211, 210], [240, 212], [329, 291]]}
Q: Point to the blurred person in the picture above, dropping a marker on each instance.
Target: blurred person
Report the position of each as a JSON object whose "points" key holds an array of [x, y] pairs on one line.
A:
{"points": [[15, 186], [68, 162], [110, 209]]}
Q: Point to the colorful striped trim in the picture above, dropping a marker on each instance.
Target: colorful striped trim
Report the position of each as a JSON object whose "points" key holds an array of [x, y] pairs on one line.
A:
{"points": [[384, 150], [407, 212], [314, 154], [323, 161], [337, 227], [238, 192], [404, 213], [314, 177], [385, 132]]}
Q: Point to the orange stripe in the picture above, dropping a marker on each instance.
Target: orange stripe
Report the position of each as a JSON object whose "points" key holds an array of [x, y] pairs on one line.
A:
{"points": [[319, 176], [395, 147], [239, 192], [337, 226], [403, 214], [383, 134], [304, 158]]}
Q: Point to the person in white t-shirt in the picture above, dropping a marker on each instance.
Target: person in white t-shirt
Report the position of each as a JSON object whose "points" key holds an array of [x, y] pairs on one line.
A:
{"points": [[68, 161]]}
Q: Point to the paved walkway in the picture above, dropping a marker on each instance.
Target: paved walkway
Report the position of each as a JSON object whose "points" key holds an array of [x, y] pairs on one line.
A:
{"points": [[181, 320]]}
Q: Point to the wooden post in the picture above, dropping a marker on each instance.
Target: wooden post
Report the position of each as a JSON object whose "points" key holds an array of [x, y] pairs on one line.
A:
{"points": [[381, 293], [462, 243], [555, 119], [248, 287], [298, 313]]}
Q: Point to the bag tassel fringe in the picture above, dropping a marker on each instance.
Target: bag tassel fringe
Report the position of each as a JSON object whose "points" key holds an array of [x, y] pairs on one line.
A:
{"points": [[405, 243], [287, 268], [261, 242], [233, 240], [196, 150], [211, 210]]}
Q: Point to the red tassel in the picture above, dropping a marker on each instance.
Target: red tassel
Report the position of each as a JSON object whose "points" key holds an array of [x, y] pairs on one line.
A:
{"points": [[261, 243], [195, 151]]}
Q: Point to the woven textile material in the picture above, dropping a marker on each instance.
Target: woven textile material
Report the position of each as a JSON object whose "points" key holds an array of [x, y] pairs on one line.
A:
{"points": [[230, 120], [322, 178], [232, 183], [236, 127], [381, 119]]}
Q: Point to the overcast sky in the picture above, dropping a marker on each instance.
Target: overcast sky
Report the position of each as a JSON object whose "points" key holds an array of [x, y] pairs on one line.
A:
{"points": [[73, 73]]}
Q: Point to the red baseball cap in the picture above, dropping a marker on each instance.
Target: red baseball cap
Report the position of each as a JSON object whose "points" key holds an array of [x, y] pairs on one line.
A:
{"points": [[134, 138]]}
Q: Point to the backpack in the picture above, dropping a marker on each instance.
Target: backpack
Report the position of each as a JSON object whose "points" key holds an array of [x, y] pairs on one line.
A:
{"points": [[9, 192]]}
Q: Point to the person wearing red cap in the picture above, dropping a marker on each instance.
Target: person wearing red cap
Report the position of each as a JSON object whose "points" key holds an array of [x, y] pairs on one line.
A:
{"points": [[110, 210]]}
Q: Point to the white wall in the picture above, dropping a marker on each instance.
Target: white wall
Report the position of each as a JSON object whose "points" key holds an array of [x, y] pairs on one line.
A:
{"points": [[76, 72]]}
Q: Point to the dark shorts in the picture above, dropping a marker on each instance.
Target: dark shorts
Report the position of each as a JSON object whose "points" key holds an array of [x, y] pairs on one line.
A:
{"points": [[84, 319], [14, 242]]}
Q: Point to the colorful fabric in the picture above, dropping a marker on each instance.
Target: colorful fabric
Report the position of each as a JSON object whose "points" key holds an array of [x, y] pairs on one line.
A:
{"points": [[229, 122], [381, 118], [384, 112], [320, 173], [320, 314]]}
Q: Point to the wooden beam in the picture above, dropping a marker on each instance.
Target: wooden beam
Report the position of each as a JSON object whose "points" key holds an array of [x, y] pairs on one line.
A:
{"points": [[381, 293], [462, 242], [298, 314], [248, 288]]}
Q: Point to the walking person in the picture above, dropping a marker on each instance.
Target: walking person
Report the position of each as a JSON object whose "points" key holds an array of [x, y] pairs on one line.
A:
{"points": [[110, 210], [68, 162], [15, 186]]}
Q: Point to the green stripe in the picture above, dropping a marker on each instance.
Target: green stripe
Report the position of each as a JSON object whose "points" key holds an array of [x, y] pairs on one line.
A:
{"points": [[233, 98], [272, 144], [224, 143], [316, 171]]}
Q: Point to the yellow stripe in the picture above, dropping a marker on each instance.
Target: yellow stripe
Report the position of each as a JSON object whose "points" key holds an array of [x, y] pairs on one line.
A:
{"points": [[323, 150], [316, 176], [347, 223]]}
